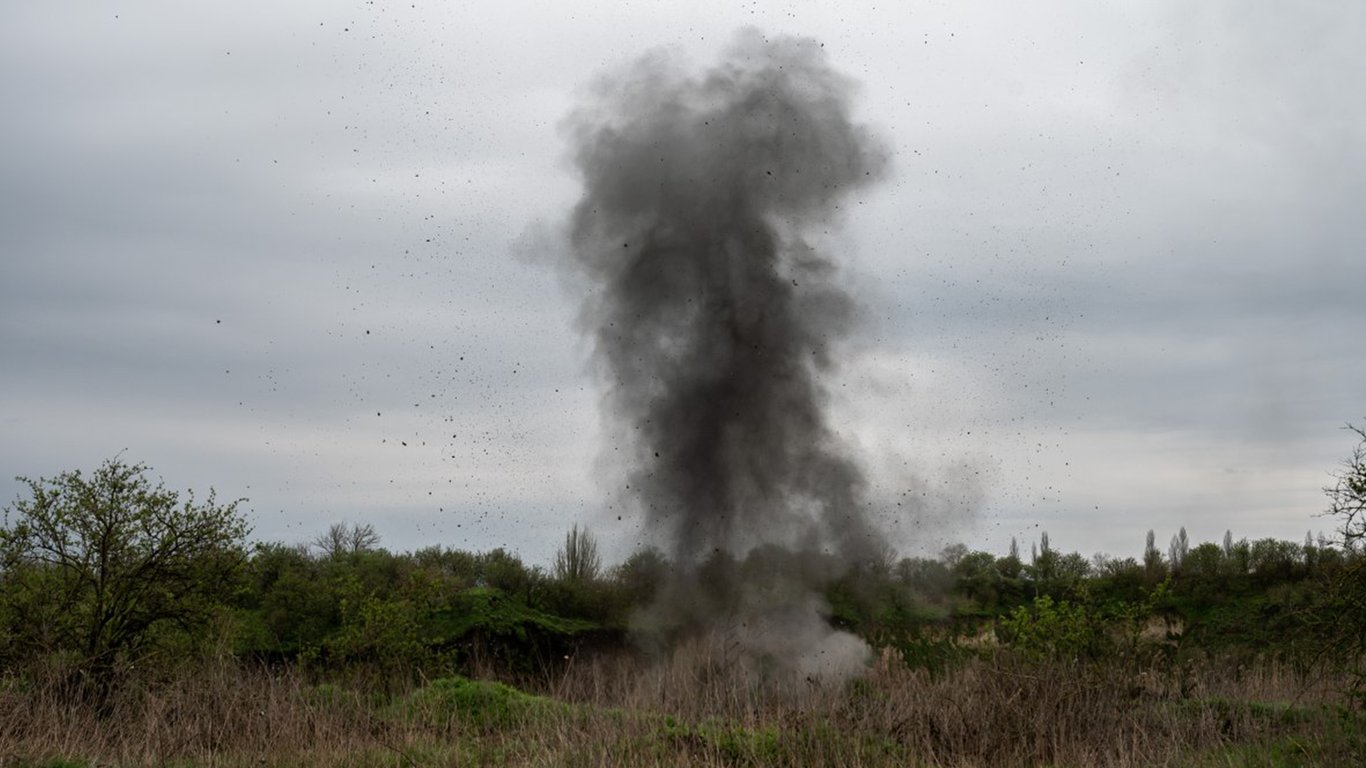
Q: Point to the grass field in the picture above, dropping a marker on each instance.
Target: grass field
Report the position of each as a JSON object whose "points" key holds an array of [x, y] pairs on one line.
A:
{"points": [[700, 708]]}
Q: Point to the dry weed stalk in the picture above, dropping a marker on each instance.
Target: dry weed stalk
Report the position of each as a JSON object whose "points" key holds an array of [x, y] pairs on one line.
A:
{"points": [[694, 707]]}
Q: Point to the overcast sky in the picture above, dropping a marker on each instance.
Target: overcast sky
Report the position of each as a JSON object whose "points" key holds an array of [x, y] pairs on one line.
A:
{"points": [[288, 250]]}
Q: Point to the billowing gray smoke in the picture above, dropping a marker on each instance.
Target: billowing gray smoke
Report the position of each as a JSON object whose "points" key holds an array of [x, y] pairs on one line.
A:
{"points": [[714, 321]]}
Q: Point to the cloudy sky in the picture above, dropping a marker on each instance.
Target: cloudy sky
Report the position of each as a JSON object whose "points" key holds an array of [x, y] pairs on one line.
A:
{"points": [[291, 251]]}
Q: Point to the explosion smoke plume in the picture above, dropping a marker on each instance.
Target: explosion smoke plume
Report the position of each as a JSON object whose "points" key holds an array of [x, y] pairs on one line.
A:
{"points": [[713, 320]]}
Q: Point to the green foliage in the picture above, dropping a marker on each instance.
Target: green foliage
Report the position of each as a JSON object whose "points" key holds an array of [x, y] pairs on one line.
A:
{"points": [[641, 576], [488, 625], [489, 611], [482, 704], [453, 565], [420, 612], [1205, 561], [919, 649], [979, 579], [1154, 567], [383, 633], [876, 606], [578, 588], [503, 571], [925, 576], [1057, 574], [1056, 630], [1273, 560], [96, 567], [290, 604], [342, 602]]}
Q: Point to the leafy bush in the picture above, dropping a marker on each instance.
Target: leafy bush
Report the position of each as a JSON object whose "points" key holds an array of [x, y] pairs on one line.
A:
{"points": [[1056, 630]]}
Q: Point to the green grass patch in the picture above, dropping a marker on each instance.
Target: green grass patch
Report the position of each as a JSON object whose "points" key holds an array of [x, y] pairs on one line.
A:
{"points": [[480, 703]]}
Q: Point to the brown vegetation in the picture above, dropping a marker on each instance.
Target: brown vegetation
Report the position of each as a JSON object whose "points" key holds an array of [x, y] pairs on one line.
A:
{"points": [[697, 708]]}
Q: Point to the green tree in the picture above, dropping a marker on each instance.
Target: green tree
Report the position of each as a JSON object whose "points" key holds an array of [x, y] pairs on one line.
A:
{"points": [[951, 554], [1119, 579], [1010, 566], [641, 576], [1274, 561], [1073, 568], [503, 570], [454, 564], [978, 579], [924, 576], [294, 605], [94, 567], [1206, 561]]}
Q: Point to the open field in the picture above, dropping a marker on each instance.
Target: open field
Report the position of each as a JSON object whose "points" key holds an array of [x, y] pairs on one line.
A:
{"points": [[986, 710]]}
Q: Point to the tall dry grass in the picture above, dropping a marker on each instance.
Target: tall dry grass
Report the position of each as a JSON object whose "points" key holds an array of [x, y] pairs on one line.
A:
{"points": [[699, 706], [205, 712], [993, 710]]}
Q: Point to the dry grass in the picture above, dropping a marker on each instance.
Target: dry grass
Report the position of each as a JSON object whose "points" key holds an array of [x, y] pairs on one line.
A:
{"points": [[701, 708], [989, 711], [197, 714]]}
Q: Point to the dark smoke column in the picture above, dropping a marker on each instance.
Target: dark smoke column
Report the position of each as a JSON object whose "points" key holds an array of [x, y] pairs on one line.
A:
{"points": [[713, 319]]}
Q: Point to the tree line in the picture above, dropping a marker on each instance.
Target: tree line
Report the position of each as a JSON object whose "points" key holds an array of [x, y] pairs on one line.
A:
{"points": [[106, 571]]}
